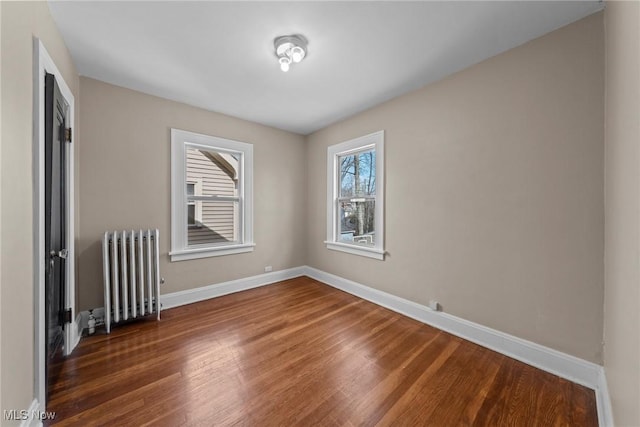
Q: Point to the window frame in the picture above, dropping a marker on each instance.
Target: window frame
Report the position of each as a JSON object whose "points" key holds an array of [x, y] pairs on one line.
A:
{"points": [[197, 205], [181, 140], [373, 141]]}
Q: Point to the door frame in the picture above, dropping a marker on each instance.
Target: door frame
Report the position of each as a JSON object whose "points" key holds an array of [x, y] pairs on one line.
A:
{"points": [[42, 63]]}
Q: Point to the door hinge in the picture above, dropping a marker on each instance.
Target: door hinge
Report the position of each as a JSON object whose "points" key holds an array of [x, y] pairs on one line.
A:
{"points": [[67, 315], [68, 135]]}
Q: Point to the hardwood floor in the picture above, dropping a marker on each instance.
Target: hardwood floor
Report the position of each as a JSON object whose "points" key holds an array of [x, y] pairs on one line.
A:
{"points": [[302, 353]]}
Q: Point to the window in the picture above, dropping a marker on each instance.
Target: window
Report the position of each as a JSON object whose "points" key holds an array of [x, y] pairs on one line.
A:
{"points": [[211, 196], [355, 189]]}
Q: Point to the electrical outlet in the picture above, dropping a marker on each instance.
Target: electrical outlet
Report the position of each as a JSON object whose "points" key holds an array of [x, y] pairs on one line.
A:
{"points": [[268, 269], [434, 305]]}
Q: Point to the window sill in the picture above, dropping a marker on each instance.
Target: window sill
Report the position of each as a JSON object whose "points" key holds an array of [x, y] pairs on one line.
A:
{"points": [[187, 254], [356, 250]]}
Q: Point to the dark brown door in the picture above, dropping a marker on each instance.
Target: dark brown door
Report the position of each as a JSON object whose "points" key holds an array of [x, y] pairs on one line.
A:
{"points": [[55, 224]]}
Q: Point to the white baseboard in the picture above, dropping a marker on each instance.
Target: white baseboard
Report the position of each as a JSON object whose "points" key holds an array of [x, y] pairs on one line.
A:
{"points": [[31, 418], [603, 401], [176, 299], [563, 365], [189, 296]]}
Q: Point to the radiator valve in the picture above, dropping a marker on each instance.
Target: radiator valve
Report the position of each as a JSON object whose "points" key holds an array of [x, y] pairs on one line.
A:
{"points": [[92, 323]]}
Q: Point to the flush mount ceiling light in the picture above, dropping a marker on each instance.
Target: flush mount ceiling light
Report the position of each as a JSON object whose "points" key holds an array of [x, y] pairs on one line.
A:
{"points": [[290, 49]]}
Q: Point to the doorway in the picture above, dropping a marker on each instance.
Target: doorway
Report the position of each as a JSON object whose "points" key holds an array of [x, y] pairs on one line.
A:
{"points": [[56, 330], [55, 223]]}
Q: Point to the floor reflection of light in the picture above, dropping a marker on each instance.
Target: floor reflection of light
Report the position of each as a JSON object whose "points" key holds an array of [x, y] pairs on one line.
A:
{"points": [[211, 378], [353, 368], [225, 376]]}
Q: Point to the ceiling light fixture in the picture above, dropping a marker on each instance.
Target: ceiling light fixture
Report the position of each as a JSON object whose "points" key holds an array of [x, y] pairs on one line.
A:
{"points": [[290, 49]]}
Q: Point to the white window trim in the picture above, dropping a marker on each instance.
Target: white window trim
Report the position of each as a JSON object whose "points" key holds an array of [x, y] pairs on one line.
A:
{"points": [[179, 248], [375, 141]]}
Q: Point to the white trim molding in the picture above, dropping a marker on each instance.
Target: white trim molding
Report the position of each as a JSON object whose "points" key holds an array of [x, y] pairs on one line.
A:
{"points": [[207, 252], [31, 418], [603, 401], [572, 368], [189, 296], [76, 332], [181, 141], [356, 250], [375, 142]]}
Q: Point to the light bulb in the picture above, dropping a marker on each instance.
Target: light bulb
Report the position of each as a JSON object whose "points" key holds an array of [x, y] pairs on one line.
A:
{"points": [[284, 63], [297, 53]]}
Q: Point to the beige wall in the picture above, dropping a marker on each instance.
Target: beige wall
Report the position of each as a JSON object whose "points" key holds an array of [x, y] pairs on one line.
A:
{"points": [[20, 22], [1, 406], [125, 182], [494, 192], [622, 213]]}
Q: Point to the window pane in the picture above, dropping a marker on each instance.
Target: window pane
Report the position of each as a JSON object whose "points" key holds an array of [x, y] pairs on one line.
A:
{"points": [[356, 222], [219, 224], [215, 172], [191, 189], [191, 214], [358, 174]]}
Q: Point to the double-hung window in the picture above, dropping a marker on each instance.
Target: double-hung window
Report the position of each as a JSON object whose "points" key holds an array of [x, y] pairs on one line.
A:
{"points": [[211, 196], [355, 196]]}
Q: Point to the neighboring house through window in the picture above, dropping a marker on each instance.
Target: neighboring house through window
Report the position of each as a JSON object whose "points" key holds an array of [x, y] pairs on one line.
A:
{"points": [[355, 190], [211, 196]]}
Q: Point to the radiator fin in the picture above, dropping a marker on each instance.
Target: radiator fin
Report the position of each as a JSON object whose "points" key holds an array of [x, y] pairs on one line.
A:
{"points": [[131, 275]]}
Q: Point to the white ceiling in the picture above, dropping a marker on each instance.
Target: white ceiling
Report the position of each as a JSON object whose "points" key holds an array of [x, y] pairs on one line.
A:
{"points": [[220, 55]]}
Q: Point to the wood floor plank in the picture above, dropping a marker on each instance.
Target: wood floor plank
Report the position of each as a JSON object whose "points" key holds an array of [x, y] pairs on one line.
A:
{"points": [[302, 353]]}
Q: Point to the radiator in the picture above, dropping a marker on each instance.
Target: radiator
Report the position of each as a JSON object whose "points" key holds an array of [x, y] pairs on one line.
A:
{"points": [[131, 275]]}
